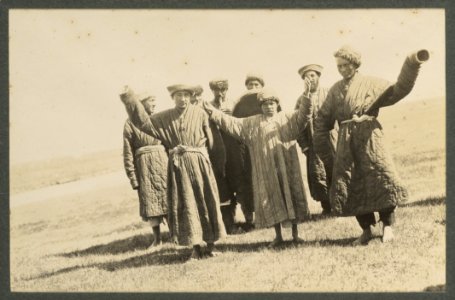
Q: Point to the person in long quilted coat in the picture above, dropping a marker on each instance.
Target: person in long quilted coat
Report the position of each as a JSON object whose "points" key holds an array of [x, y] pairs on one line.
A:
{"points": [[222, 155], [278, 188], [318, 173], [145, 161], [194, 215], [364, 179]]}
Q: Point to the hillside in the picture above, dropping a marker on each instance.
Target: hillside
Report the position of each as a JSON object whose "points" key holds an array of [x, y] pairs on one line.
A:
{"points": [[406, 125]]}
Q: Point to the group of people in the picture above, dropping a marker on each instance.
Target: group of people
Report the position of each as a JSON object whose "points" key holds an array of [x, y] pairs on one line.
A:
{"points": [[194, 163]]}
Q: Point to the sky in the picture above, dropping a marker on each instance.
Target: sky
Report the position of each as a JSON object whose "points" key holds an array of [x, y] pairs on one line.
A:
{"points": [[67, 67]]}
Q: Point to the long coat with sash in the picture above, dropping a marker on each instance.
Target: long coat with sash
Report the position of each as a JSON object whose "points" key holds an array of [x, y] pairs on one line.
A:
{"points": [[278, 188], [364, 178], [194, 208]]}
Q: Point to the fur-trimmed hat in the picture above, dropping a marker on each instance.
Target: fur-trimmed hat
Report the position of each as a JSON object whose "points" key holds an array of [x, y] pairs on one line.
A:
{"points": [[313, 67], [351, 55], [267, 94], [219, 83], [198, 90], [180, 87], [254, 76]]}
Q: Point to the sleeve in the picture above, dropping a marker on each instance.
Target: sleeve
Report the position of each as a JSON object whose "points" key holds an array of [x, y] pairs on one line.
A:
{"points": [[301, 117], [128, 155], [231, 125], [403, 86], [138, 115], [323, 124], [208, 131]]}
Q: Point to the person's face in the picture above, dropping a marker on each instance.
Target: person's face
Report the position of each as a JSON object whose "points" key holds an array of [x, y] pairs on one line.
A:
{"points": [[345, 68], [181, 98], [269, 108], [313, 77], [253, 84], [196, 99], [149, 106], [219, 93]]}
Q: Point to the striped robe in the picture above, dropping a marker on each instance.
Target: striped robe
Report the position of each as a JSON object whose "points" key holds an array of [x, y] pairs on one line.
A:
{"points": [[194, 208], [364, 178], [278, 188]]}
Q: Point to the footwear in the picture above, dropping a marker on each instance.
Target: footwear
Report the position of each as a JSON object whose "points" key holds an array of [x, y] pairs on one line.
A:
{"points": [[387, 236], [326, 212], [155, 245], [196, 254], [274, 243], [364, 238], [298, 240], [247, 227]]}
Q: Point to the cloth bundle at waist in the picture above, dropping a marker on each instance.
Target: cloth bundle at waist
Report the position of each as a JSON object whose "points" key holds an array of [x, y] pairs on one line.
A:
{"points": [[181, 149], [358, 119]]}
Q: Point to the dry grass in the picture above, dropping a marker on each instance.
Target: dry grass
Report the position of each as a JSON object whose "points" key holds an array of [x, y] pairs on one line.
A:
{"points": [[34, 175], [95, 241]]}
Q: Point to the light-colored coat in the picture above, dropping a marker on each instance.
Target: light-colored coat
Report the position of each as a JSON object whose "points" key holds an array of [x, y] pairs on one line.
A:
{"points": [[278, 188]]}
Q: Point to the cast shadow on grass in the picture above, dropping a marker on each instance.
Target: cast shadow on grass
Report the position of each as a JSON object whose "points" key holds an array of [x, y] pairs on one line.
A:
{"points": [[137, 242], [166, 256], [429, 201], [288, 244], [170, 255]]}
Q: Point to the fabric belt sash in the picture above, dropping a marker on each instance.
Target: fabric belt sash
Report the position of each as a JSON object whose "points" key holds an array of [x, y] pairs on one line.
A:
{"points": [[148, 149], [358, 119], [179, 150]]}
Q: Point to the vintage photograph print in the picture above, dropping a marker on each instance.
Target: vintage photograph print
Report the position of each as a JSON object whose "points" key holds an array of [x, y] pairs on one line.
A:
{"points": [[227, 150]]}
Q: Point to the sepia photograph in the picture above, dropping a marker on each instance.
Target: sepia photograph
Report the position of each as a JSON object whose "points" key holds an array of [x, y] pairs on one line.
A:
{"points": [[227, 150]]}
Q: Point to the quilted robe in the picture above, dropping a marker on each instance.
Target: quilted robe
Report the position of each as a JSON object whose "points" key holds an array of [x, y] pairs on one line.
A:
{"points": [[278, 188], [145, 161], [364, 178], [194, 208]]}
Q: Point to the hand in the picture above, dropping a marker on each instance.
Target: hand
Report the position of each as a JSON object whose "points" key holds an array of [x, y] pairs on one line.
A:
{"points": [[126, 93], [208, 107], [306, 86]]}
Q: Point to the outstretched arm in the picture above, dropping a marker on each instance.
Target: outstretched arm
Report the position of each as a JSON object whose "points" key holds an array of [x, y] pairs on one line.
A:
{"points": [[231, 125], [137, 113], [128, 156], [301, 117], [405, 82]]}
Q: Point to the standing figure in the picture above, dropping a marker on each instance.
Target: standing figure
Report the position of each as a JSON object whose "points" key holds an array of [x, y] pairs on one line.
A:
{"points": [[145, 160], [364, 178], [247, 106], [194, 213], [318, 174], [278, 188], [222, 155], [196, 99]]}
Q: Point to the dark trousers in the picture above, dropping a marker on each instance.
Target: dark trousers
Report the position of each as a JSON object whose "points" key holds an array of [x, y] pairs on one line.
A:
{"points": [[228, 214], [387, 217]]}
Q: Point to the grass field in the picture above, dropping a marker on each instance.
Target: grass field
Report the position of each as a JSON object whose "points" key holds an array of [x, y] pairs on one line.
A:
{"points": [[95, 241]]}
